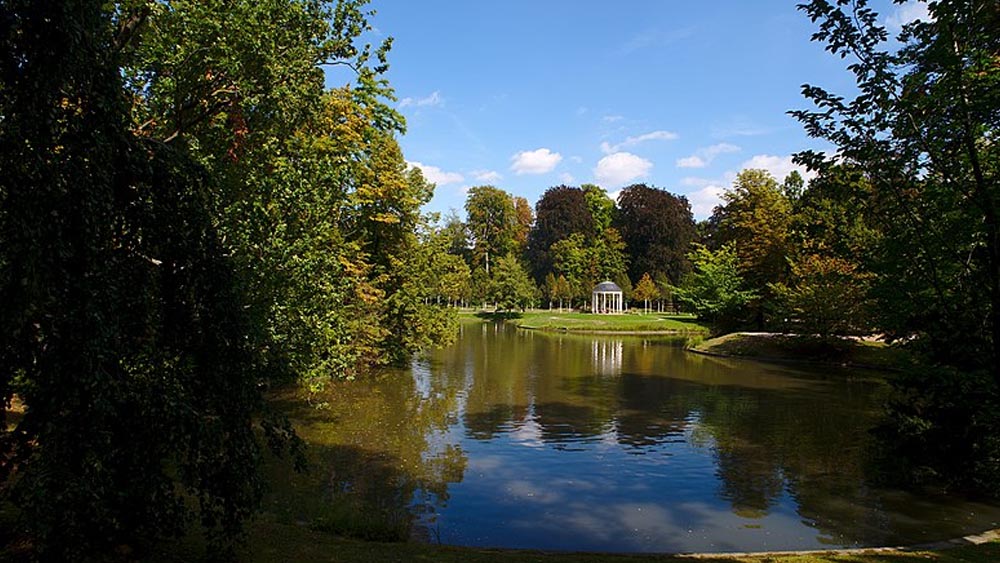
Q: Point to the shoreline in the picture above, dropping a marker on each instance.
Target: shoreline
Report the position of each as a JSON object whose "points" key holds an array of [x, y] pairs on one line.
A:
{"points": [[315, 545], [840, 352]]}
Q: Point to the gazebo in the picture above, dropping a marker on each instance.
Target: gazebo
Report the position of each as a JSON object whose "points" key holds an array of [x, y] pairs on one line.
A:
{"points": [[607, 298]]}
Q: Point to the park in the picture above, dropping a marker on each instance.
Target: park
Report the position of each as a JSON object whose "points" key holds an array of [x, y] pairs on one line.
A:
{"points": [[361, 280]]}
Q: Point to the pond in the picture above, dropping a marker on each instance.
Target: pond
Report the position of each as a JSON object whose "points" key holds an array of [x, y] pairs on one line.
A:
{"points": [[524, 439]]}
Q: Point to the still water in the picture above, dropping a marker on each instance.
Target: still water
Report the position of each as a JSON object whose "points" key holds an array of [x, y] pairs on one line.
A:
{"points": [[535, 440]]}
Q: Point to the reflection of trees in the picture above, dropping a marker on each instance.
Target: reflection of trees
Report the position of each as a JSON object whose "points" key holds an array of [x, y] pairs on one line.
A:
{"points": [[393, 440], [376, 448]]}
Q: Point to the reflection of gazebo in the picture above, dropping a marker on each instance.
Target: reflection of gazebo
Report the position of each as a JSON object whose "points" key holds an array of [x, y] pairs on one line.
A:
{"points": [[606, 298]]}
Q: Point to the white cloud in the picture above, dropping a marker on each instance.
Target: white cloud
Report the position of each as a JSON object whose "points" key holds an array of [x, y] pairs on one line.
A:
{"points": [[488, 176], [704, 200], [621, 167], [608, 148], [433, 100], [703, 157], [612, 118], [538, 161], [435, 175], [907, 13], [693, 161], [566, 178], [778, 166]]}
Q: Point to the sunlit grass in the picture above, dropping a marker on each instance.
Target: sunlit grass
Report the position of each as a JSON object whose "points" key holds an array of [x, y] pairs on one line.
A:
{"points": [[587, 322]]}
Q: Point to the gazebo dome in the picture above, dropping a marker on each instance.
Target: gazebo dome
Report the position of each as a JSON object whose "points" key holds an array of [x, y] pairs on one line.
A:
{"points": [[606, 287]]}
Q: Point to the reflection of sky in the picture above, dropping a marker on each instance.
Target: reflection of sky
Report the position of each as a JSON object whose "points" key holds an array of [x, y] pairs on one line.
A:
{"points": [[605, 500]]}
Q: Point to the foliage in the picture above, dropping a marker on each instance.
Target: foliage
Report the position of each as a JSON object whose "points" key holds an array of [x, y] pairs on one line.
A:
{"points": [[192, 215], [646, 290], [561, 212], [457, 234], [825, 296], [923, 131], [571, 261], [922, 128], [563, 291], [124, 332], [493, 223], [525, 219], [602, 208], [657, 228], [715, 289], [936, 438], [512, 287], [756, 217]]}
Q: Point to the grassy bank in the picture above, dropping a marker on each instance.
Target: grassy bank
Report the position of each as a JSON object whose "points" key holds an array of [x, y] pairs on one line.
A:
{"points": [[271, 542], [627, 323], [813, 349]]}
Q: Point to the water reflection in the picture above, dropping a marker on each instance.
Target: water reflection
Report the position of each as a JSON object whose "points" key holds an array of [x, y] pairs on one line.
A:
{"points": [[526, 439]]}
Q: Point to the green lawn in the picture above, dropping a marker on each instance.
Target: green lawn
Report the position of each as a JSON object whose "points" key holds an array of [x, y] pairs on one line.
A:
{"points": [[587, 322]]}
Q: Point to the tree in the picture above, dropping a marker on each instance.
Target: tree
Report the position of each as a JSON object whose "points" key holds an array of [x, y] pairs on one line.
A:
{"points": [[512, 288], [126, 335], [646, 291], [525, 219], [492, 220], [923, 130], [458, 236], [563, 291], [215, 220], [793, 186], [757, 217], [602, 208], [657, 228], [571, 261], [715, 289], [561, 212], [825, 296], [549, 289]]}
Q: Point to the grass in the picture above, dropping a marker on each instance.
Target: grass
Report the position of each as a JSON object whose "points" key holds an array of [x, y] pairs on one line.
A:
{"points": [[789, 347], [273, 542], [587, 322]]}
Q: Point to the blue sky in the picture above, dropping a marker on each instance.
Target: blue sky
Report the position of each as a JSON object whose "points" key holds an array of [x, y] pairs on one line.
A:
{"points": [[526, 95]]}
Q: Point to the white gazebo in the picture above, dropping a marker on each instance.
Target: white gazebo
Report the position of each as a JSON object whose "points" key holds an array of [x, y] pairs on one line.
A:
{"points": [[607, 298]]}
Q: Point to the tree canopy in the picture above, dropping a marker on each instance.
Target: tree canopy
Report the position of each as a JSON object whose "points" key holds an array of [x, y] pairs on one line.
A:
{"points": [[187, 216], [657, 228]]}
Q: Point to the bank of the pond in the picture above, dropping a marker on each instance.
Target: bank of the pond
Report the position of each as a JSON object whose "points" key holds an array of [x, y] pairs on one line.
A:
{"points": [[776, 347], [272, 542], [632, 323]]}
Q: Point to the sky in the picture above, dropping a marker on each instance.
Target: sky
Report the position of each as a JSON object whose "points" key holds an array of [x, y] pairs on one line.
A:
{"points": [[525, 95]]}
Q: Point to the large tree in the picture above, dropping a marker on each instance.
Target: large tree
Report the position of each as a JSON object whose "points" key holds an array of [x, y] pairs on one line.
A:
{"points": [[756, 217], [561, 212], [186, 214], [657, 228], [923, 128], [493, 223]]}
